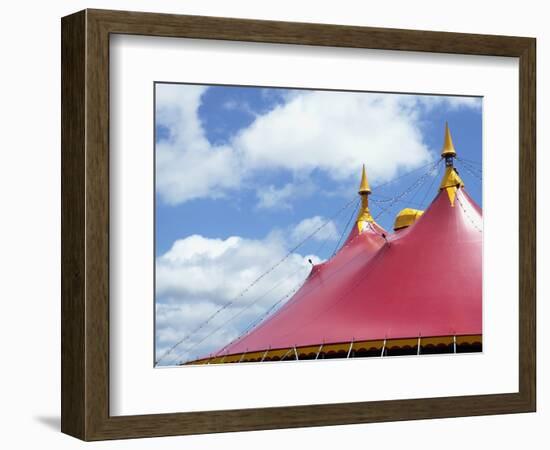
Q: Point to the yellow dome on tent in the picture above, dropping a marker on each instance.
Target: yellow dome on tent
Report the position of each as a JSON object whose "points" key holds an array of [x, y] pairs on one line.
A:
{"points": [[406, 217]]}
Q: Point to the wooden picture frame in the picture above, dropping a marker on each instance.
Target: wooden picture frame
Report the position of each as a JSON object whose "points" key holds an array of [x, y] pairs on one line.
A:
{"points": [[85, 224]]}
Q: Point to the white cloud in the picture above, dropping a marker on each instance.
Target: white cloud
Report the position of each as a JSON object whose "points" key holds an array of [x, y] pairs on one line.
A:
{"points": [[311, 130], [272, 197], [187, 165], [327, 229], [336, 133], [199, 275]]}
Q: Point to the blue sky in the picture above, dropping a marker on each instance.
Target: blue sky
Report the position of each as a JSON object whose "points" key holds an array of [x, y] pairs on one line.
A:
{"points": [[243, 174]]}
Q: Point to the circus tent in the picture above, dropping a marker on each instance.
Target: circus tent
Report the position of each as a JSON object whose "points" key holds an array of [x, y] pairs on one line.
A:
{"points": [[415, 290]]}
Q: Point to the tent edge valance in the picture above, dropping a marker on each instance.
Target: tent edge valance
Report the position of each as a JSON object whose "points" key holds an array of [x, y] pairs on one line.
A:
{"points": [[347, 346]]}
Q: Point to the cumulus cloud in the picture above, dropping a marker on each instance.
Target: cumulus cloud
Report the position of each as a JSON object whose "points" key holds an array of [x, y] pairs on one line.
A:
{"points": [[331, 132], [272, 197], [187, 165], [336, 133], [327, 229], [199, 275]]}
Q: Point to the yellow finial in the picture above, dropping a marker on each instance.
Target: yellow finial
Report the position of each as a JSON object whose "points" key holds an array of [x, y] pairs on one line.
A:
{"points": [[451, 181], [364, 187], [448, 147], [364, 215]]}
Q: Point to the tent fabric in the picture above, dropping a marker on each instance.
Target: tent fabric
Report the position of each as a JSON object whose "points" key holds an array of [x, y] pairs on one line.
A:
{"points": [[423, 280]]}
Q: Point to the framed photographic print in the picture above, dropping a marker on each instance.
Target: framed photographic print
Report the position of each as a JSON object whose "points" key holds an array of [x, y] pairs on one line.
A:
{"points": [[266, 224]]}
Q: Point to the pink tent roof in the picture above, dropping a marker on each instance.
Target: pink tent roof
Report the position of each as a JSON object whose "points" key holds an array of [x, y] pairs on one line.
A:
{"points": [[424, 280]]}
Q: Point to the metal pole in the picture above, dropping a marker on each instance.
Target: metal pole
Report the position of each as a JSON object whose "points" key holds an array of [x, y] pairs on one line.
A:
{"points": [[264, 355], [383, 348], [296, 353], [454, 343], [242, 356], [418, 346], [319, 351], [350, 348], [285, 355]]}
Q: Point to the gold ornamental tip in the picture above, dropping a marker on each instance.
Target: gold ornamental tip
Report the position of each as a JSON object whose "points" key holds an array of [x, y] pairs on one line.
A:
{"points": [[364, 187], [448, 147]]}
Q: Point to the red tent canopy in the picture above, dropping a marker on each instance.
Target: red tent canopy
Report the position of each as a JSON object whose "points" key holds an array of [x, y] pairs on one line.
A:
{"points": [[422, 281]]}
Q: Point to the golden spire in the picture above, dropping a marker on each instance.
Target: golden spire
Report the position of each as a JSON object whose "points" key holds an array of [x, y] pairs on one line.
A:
{"points": [[364, 187], [364, 215], [451, 181], [448, 147]]}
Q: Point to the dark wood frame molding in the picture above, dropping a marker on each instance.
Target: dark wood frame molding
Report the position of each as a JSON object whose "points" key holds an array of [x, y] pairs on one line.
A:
{"points": [[85, 224]]}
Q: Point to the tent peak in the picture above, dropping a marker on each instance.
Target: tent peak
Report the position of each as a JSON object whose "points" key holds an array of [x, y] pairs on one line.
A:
{"points": [[451, 181], [448, 151], [364, 187], [364, 215]]}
